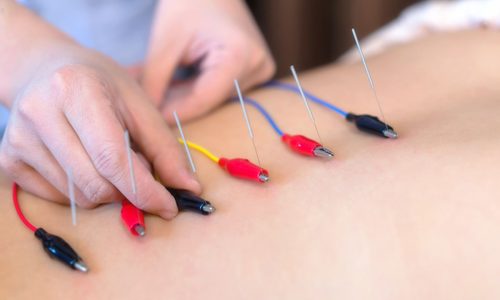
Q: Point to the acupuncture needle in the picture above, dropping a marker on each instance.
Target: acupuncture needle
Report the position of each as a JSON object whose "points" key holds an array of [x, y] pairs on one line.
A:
{"points": [[128, 148], [71, 194], [134, 214], [245, 116], [368, 74], [186, 148], [306, 103]]}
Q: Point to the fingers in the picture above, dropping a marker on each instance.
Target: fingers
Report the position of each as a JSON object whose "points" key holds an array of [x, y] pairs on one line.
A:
{"points": [[156, 142], [29, 163], [213, 86], [48, 168], [66, 148], [31, 181], [161, 60], [101, 134], [238, 59], [77, 124], [215, 83]]}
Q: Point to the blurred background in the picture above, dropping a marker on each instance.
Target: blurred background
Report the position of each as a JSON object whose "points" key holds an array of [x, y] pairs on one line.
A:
{"points": [[308, 33]]}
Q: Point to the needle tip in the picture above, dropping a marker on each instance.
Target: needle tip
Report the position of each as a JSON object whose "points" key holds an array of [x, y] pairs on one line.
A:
{"points": [[208, 208], [389, 133], [323, 152], [263, 177], [81, 266], [140, 230]]}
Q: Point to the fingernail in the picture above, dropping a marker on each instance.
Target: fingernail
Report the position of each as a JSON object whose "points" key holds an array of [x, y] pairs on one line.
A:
{"points": [[192, 182], [170, 209], [168, 214], [195, 186]]}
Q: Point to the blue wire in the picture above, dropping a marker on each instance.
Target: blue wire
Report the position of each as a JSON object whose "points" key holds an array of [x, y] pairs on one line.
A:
{"points": [[263, 111], [293, 88]]}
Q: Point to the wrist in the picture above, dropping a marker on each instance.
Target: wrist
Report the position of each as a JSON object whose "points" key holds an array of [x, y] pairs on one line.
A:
{"points": [[28, 45], [33, 64]]}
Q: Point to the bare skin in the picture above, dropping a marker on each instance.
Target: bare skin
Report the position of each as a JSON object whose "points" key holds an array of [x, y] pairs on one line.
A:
{"points": [[413, 218]]}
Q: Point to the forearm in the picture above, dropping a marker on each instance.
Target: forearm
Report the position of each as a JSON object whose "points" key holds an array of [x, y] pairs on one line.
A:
{"points": [[27, 42]]}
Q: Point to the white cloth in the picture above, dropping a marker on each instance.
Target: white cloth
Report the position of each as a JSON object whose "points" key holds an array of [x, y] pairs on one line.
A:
{"points": [[117, 28], [430, 16]]}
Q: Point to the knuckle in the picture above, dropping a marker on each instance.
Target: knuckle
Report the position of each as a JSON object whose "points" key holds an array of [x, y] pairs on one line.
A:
{"points": [[67, 76], [59, 88], [84, 203], [8, 164], [70, 82], [27, 107], [97, 191], [64, 81], [109, 162], [12, 140], [13, 168]]}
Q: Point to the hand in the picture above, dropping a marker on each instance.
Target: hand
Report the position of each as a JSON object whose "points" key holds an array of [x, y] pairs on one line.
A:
{"points": [[72, 116], [220, 36]]}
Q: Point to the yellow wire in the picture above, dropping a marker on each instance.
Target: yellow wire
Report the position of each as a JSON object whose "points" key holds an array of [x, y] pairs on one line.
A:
{"points": [[201, 150]]}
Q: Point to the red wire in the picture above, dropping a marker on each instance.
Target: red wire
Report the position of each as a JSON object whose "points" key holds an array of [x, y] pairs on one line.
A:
{"points": [[18, 209]]}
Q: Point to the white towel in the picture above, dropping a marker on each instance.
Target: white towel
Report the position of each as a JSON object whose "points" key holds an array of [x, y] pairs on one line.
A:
{"points": [[427, 17]]}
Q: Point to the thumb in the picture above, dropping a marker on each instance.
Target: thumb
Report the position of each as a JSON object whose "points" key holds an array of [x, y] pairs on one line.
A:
{"points": [[164, 55], [212, 86]]}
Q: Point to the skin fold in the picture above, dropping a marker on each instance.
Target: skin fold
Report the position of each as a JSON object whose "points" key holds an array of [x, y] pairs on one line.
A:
{"points": [[412, 218]]}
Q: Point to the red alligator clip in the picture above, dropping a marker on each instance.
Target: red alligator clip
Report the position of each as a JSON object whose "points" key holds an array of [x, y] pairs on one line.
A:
{"points": [[243, 168], [133, 218], [305, 146]]}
